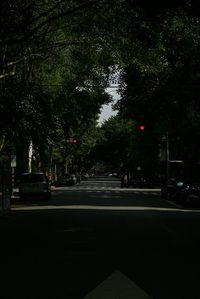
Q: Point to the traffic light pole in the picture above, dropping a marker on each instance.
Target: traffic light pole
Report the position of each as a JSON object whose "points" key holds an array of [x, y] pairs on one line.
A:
{"points": [[167, 158]]}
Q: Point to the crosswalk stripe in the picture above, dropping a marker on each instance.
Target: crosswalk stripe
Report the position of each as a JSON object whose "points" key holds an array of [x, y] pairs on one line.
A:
{"points": [[109, 189]]}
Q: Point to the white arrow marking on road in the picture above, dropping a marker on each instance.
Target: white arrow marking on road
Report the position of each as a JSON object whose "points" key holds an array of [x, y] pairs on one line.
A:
{"points": [[117, 286]]}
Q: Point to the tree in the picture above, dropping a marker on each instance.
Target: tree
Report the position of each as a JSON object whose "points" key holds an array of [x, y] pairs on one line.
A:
{"points": [[57, 58], [113, 144], [41, 49], [161, 87]]}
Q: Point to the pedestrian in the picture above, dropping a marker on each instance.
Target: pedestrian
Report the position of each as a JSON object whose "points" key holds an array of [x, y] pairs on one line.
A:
{"points": [[125, 180], [78, 176]]}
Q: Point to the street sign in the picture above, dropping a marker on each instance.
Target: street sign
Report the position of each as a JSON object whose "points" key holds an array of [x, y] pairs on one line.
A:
{"points": [[13, 161]]}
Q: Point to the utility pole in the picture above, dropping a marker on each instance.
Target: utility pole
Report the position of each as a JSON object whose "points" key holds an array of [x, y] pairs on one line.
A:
{"points": [[164, 157], [30, 154], [167, 157], [13, 166]]}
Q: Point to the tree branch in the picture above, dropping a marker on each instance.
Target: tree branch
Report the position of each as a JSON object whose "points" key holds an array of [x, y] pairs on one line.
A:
{"points": [[4, 75], [80, 7]]}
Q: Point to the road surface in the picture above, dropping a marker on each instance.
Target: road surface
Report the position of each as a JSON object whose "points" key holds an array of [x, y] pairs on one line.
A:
{"points": [[96, 238]]}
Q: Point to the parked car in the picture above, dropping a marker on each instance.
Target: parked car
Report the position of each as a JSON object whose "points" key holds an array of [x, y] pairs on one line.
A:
{"points": [[66, 180], [189, 194], [184, 192], [34, 185], [137, 182], [169, 190]]}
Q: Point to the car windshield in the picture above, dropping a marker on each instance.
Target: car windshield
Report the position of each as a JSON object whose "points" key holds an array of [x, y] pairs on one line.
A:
{"points": [[32, 178]]}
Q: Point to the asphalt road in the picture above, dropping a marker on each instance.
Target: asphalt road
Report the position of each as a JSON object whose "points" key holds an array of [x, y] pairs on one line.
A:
{"points": [[67, 246]]}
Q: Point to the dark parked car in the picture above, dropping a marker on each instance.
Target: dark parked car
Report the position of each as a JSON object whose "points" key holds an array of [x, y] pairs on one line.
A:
{"points": [[34, 185], [189, 194], [66, 180], [184, 192], [137, 183], [169, 190]]}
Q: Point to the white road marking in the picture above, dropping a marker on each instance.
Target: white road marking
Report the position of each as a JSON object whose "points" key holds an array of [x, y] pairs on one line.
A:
{"points": [[117, 286], [102, 207], [107, 188]]}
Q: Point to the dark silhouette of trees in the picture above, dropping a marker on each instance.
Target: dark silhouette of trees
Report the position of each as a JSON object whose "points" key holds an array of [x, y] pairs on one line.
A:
{"points": [[57, 57]]}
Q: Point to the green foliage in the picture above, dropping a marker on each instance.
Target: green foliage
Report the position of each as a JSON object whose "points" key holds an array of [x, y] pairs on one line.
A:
{"points": [[114, 144], [167, 87], [56, 59]]}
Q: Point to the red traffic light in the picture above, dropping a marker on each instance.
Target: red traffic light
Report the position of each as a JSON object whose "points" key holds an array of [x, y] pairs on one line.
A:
{"points": [[70, 140], [142, 127]]}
